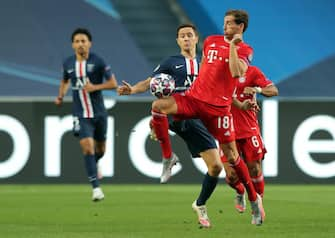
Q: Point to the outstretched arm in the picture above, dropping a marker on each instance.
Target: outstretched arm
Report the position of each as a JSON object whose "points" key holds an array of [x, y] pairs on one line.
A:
{"points": [[268, 91], [140, 87], [63, 88]]}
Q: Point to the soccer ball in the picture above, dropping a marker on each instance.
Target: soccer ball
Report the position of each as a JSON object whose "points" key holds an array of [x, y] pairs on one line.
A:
{"points": [[162, 85]]}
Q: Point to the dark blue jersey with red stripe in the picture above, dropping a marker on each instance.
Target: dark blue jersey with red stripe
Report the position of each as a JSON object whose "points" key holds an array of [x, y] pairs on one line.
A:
{"points": [[192, 131], [86, 105], [183, 70]]}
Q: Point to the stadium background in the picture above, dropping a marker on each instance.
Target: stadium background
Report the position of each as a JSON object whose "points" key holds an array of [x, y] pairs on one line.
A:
{"points": [[293, 44]]}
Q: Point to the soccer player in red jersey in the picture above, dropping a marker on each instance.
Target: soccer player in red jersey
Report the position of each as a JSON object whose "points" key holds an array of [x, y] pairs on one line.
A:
{"points": [[248, 137], [184, 68], [225, 59]]}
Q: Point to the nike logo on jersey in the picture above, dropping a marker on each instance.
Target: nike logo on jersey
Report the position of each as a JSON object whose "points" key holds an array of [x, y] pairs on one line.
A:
{"points": [[212, 45], [70, 71], [179, 66]]}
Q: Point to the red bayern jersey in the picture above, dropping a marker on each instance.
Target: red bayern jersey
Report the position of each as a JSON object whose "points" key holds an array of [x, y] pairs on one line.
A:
{"points": [[245, 122], [215, 84]]}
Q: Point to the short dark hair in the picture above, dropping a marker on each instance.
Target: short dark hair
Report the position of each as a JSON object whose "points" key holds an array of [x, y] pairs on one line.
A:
{"points": [[187, 25], [240, 16], [81, 31]]}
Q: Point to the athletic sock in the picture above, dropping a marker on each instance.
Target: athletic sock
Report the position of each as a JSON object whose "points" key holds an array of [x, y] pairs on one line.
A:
{"points": [[237, 186], [208, 186], [243, 174], [161, 126], [259, 183], [91, 169]]}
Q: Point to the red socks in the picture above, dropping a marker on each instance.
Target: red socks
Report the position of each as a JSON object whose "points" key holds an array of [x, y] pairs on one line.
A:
{"points": [[243, 174], [258, 182], [161, 126], [237, 186]]}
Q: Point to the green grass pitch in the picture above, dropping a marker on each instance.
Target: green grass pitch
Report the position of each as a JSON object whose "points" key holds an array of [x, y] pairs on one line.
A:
{"points": [[58, 211]]}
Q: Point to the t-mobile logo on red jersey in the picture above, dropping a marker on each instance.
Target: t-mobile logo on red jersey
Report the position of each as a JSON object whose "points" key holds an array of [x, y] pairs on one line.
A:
{"points": [[212, 55]]}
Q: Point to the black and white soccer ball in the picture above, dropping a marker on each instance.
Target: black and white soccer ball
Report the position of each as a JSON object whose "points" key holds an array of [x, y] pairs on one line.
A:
{"points": [[162, 85]]}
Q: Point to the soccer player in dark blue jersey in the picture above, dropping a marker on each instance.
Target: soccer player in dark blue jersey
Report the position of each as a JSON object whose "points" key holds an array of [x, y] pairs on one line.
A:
{"points": [[85, 72], [184, 69]]}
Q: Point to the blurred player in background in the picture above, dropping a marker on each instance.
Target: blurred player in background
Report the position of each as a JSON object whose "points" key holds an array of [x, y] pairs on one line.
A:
{"points": [[86, 71], [225, 59], [248, 137]]}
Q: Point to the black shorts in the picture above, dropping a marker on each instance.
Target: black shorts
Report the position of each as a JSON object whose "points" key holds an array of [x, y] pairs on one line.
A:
{"points": [[195, 135], [95, 128]]}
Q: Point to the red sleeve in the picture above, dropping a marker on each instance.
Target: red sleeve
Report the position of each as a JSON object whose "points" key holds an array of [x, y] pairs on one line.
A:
{"points": [[245, 53], [261, 80]]}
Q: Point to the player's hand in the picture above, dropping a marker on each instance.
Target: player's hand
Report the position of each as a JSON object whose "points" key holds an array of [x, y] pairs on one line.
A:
{"points": [[249, 90], [59, 101], [250, 105], [125, 89], [89, 87], [237, 38]]}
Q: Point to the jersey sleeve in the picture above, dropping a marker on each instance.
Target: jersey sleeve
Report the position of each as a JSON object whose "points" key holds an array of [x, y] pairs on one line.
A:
{"points": [[163, 67], [106, 69], [261, 80], [66, 75], [245, 53]]}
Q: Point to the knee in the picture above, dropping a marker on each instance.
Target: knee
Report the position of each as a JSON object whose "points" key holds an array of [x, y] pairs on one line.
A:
{"points": [[231, 158], [215, 169], [231, 177], [87, 151], [255, 171]]}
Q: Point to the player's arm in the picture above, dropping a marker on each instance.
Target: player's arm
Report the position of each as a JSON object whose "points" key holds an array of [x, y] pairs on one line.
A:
{"points": [[111, 83], [63, 88], [140, 87], [246, 104], [268, 91], [237, 66]]}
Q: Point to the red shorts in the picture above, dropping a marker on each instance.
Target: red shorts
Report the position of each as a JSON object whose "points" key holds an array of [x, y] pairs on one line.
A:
{"points": [[250, 149], [217, 120]]}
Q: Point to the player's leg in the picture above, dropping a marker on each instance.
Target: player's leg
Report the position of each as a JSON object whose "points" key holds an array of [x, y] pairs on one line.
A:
{"points": [[100, 149], [160, 109], [160, 124], [201, 143], [255, 170], [88, 149], [230, 150], [212, 161], [222, 129], [254, 152], [100, 141], [234, 182]]}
